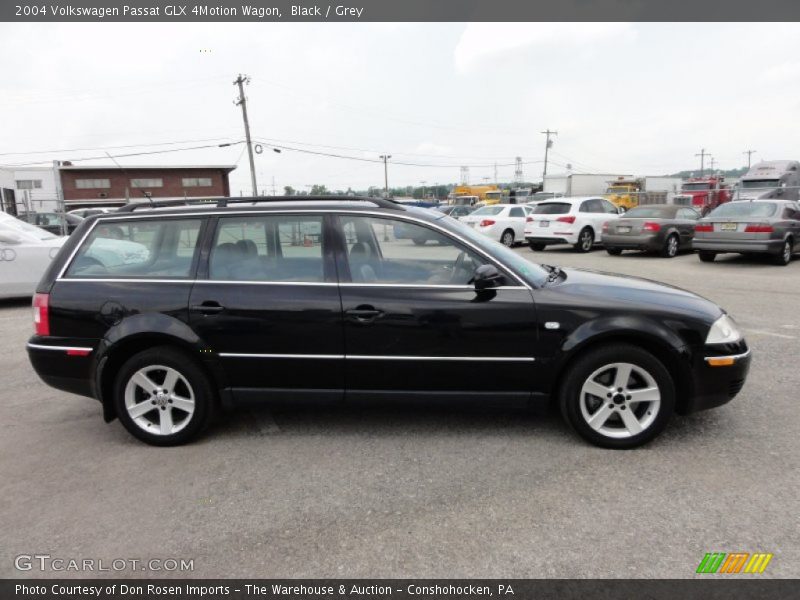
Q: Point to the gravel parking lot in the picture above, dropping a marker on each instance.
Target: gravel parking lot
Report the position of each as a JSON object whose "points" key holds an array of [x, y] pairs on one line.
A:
{"points": [[414, 492]]}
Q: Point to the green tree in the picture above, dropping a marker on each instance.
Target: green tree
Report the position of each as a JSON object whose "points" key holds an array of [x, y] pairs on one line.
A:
{"points": [[319, 190], [288, 190]]}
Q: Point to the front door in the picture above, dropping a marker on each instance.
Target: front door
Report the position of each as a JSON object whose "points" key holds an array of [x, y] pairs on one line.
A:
{"points": [[415, 326], [269, 306]]}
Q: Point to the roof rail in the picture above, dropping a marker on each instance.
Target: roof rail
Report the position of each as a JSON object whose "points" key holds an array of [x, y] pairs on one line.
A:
{"points": [[223, 202]]}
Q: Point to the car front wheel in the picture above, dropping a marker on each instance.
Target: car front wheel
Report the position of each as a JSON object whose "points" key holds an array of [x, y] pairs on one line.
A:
{"points": [[162, 397], [618, 396]]}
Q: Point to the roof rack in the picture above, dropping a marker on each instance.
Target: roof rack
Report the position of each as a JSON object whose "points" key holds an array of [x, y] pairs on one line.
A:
{"points": [[223, 202]]}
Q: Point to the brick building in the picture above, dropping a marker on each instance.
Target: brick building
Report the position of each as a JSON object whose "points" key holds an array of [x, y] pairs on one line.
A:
{"points": [[85, 186]]}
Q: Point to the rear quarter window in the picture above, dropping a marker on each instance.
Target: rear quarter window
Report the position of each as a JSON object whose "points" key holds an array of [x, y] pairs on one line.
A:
{"points": [[138, 249]]}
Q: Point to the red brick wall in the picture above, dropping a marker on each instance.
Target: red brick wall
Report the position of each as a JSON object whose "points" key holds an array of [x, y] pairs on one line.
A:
{"points": [[172, 179]]}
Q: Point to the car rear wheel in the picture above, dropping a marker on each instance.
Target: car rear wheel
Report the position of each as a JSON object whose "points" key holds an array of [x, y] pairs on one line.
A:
{"points": [[670, 249], [507, 239], [618, 396], [707, 256], [785, 256], [585, 240], [614, 251], [162, 397], [536, 247]]}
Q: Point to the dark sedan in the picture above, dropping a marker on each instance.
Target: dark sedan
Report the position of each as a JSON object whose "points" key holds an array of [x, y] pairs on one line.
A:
{"points": [[662, 228], [770, 227]]}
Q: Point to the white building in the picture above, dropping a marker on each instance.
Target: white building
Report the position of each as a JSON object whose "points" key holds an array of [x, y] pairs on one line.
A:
{"points": [[28, 189]]}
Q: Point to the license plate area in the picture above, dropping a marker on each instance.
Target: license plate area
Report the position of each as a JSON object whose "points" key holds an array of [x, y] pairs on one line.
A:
{"points": [[544, 223], [623, 229], [729, 227]]}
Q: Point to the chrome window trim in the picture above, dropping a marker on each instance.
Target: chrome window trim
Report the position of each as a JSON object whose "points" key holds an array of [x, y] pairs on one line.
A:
{"points": [[286, 283], [62, 348], [381, 357], [110, 217]]}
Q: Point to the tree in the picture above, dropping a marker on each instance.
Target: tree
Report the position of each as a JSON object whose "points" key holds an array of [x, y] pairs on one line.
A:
{"points": [[288, 190], [319, 190]]}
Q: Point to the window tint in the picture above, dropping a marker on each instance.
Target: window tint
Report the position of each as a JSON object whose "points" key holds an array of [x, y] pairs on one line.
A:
{"points": [[588, 206], [552, 208], [268, 248], [516, 212], [651, 212], [608, 207], [138, 249], [392, 251], [488, 210]]}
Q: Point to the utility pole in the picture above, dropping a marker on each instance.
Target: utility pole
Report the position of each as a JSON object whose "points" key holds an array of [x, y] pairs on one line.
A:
{"points": [[712, 164], [385, 158], [242, 101], [749, 154], [60, 202], [495, 174], [547, 146], [702, 156]]}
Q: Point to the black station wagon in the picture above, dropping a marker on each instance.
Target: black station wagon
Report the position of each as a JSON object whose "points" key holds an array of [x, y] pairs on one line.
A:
{"points": [[165, 313]]}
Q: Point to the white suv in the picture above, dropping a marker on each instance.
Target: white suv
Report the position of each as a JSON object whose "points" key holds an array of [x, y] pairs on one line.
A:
{"points": [[502, 222], [576, 221]]}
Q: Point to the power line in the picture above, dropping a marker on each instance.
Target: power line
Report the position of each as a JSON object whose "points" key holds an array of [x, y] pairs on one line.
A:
{"points": [[34, 152]]}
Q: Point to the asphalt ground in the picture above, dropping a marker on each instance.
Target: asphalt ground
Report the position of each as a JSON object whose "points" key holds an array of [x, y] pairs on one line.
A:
{"points": [[416, 492]]}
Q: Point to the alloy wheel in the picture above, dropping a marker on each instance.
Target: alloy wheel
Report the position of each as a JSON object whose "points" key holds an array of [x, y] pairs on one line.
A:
{"points": [[507, 239], [620, 400], [159, 400], [586, 240], [672, 246]]}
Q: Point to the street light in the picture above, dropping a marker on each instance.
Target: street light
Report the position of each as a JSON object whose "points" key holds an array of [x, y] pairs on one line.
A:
{"points": [[385, 158]]}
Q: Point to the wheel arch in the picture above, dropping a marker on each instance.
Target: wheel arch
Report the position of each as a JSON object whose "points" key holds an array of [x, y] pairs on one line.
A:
{"points": [[666, 346]]}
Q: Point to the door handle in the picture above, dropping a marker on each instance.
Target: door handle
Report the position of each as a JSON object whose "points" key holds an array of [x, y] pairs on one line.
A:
{"points": [[364, 314], [208, 308]]}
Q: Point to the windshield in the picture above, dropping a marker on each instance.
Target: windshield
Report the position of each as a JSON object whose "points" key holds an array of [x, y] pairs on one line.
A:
{"points": [[650, 212], [29, 231], [534, 274], [691, 187], [618, 190], [745, 209], [543, 195], [488, 210], [760, 183], [552, 208]]}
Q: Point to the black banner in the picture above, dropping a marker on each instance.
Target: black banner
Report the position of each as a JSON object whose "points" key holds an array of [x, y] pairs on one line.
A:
{"points": [[711, 588], [400, 10]]}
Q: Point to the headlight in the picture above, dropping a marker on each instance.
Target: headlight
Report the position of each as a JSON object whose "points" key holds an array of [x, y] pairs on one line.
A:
{"points": [[724, 331]]}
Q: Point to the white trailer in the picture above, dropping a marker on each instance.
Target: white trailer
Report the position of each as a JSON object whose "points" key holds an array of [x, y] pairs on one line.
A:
{"points": [[580, 184]]}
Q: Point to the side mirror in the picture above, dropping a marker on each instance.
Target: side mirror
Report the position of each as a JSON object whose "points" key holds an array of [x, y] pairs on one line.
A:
{"points": [[9, 238], [486, 276]]}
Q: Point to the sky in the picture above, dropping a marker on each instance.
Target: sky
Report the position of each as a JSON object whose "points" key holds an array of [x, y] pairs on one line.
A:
{"points": [[637, 98]]}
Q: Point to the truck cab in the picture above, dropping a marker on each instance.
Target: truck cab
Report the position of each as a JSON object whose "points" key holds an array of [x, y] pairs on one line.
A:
{"points": [[703, 194], [770, 179]]}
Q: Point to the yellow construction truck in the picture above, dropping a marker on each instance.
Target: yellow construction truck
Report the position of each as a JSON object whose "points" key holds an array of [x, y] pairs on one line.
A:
{"points": [[628, 192], [472, 194]]}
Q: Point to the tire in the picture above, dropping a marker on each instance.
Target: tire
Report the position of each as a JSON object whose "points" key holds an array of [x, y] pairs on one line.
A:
{"points": [[507, 239], [585, 240], [785, 256], [536, 247], [419, 241], [706, 256], [614, 251], [671, 246], [620, 422], [188, 404]]}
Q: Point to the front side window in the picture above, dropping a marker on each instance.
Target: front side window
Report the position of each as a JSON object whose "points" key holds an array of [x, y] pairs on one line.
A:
{"points": [[279, 248], [608, 207], [153, 182], [399, 252], [146, 249]]}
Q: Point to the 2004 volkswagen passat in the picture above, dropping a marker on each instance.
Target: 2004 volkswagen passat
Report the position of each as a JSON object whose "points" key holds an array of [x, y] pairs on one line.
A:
{"points": [[165, 313]]}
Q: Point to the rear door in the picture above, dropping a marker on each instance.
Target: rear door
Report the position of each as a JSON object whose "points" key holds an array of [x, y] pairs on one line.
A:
{"points": [[685, 220], [266, 302], [516, 215], [414, 325]]}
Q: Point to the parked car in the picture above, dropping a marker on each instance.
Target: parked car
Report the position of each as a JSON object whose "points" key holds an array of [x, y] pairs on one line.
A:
{"points": [[235, 303], [576, 221], [456, 210], [502, 222], [662, 228], [769, 227], [25, 252], [51, 221], [84, 213]]}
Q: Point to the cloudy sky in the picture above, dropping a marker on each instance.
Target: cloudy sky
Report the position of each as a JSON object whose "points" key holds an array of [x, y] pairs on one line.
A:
{"points": [[635, 98]]}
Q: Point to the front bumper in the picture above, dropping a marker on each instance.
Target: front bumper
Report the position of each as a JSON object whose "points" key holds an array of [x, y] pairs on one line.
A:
{"points": [[633, 242], [741, 246], [718, 376]]}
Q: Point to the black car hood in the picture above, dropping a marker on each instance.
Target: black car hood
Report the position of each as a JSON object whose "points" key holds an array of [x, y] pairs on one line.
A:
{"points": [[637, 292]]}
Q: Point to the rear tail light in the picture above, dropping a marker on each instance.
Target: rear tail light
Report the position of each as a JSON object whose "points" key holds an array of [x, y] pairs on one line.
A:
{"points": [[758, 228], [570, 219], [41, 314], [605, 226], [651, 227], [486, 223], [704, 227], [529, 220]]}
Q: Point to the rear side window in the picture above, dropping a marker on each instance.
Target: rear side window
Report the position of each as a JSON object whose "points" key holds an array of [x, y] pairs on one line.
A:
{"points": [[280, 248], [552, 208], [516, 212], [149, 249]]}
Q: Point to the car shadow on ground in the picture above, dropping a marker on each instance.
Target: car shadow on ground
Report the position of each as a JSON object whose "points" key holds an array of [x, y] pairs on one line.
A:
{"points": [[14, 303]]}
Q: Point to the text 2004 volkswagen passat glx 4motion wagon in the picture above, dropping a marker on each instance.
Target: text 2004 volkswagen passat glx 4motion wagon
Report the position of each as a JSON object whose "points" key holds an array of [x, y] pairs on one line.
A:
{"points": [[165, 313]]}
